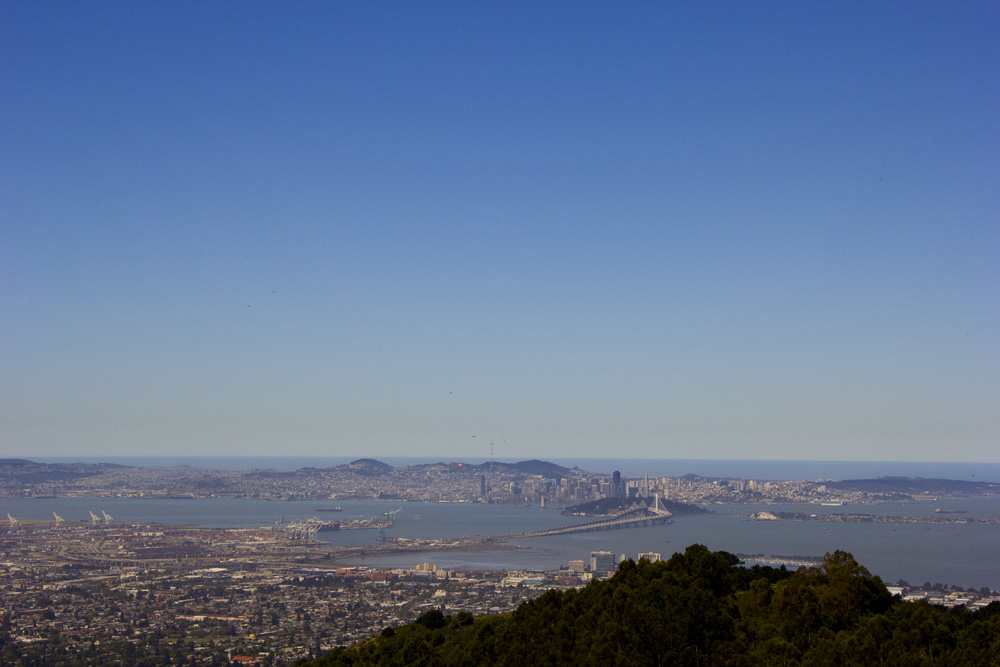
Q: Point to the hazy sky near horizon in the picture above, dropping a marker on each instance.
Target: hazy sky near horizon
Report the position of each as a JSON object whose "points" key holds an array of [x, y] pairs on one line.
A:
{"points": [[682, 230]]}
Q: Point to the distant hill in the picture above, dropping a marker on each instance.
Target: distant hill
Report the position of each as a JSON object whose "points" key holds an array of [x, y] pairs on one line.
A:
{"points": [[368, 467], [442, 466], [698, 608], [23, 471], [915, 486], [533, 467]]}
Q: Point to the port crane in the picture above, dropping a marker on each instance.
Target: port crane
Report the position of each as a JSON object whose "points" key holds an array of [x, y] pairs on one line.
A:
{"points": [[107, 517], [13, 521], [59, 519], [390, 519], [301, 530]]}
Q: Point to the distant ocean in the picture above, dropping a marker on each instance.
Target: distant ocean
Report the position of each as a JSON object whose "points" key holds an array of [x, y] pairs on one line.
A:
{"points": [[762, 470]]}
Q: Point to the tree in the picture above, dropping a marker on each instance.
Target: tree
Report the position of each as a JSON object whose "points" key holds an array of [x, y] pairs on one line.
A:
{"points": [[700, 608], [432, 620]]}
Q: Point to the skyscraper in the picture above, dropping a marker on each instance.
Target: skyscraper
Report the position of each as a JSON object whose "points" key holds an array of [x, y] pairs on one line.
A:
{"points": [[602, 562]]}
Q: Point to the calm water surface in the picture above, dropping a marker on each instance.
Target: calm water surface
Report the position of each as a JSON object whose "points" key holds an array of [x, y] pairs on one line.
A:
{"points": [[963, 555]]}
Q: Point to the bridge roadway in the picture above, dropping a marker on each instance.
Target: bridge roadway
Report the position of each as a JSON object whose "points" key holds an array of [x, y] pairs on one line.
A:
{"points": [[630, 518]]}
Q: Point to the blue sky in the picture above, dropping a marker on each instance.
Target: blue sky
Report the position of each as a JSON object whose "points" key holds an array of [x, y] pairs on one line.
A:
{"points": [[679, 230]]}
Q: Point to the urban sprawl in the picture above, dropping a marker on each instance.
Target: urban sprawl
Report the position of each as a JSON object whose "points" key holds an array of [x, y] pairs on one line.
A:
{"points": [[92, 590]]}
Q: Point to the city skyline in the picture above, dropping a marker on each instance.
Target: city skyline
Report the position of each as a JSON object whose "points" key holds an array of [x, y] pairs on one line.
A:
{"points": [[725, 231]]}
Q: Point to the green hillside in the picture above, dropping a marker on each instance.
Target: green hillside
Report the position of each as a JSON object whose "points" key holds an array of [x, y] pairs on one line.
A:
{"points": [[700, 608]]}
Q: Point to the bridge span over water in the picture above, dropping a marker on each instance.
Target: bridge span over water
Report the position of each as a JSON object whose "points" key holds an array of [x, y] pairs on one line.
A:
{"points": [[637, 515]]}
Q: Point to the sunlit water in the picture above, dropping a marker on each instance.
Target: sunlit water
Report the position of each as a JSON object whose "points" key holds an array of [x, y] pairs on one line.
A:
{"points": [[964, 555]]}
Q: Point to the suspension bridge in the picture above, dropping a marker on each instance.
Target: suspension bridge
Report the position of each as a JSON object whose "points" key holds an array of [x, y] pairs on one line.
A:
{"points": [[633, 517]]}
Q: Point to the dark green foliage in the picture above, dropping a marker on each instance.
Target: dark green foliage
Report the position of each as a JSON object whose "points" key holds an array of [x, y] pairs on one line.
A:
{"points": [[701, 608], [433, 619]]}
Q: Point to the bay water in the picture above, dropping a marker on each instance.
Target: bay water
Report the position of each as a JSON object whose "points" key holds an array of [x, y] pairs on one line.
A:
{"points": [[953, 554]]}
